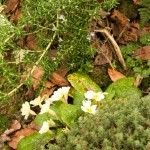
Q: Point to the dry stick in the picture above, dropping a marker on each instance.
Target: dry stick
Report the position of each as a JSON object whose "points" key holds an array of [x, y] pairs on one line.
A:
{"points": [[115, 45], [38, 61]]}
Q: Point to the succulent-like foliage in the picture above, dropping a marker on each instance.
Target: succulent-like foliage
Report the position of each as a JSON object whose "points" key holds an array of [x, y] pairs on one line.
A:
{"points": [[125, 125]]}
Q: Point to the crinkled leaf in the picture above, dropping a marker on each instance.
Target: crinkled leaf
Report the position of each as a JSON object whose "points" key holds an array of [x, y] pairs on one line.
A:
{"points": [[122, 88], [78, 98], [69, 113], [82, 83], [34, 141]]}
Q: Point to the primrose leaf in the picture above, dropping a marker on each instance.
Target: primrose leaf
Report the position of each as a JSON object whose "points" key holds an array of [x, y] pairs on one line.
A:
{"points": [[34, 141], [78, 98], [122, 88], [40, 118], [82, 83], [69, 113]]}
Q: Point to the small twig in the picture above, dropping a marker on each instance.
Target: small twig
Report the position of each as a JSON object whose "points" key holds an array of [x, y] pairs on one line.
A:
{"points": [[115, 45], [38, 61]]}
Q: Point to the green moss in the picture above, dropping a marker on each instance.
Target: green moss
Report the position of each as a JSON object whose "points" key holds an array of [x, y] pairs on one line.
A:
{"points": [[4, 121]]}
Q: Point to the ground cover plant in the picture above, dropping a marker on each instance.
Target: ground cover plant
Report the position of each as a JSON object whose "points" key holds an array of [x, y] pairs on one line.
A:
{"points": [[65, 65]]}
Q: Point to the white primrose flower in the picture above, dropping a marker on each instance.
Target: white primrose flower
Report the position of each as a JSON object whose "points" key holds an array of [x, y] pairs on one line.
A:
{"points": [[96, 96], [45, 127], [45, 107], [60, 94], [37, 101], [99, 96], [65, 91], [26, 111], [89, 94], [88, 108]]}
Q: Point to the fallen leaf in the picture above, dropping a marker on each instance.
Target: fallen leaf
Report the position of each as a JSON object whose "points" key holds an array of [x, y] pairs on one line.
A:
{"points": [[36, 76], [58, 79], [15, 16], [115, 75], [47, 92], [136, 2], [34, 126], [31, 41], [15, 125], [11, 6], [62, 71], [49, 84], [21, 42], [19, 135], [143, 53]]}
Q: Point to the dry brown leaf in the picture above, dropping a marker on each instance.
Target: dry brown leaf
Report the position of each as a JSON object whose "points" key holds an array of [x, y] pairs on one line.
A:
{"points": [[19, 135], [47, 92], [31, 42], [143, 53], [115, 75], [36, 76], [15, 16], [136, 2], [21, 42], [62, 71], [34, 126], [49, 84], [15, 125], [11, 5], [58, 79]]}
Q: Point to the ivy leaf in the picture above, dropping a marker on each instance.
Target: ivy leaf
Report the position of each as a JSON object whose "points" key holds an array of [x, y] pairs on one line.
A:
{"points": [[69, 113], [34, 141]]}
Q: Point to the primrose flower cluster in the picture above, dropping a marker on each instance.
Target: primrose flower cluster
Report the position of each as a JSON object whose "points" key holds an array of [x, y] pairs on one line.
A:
{"points": [[60, 95], [92, 97], [44, 103]]}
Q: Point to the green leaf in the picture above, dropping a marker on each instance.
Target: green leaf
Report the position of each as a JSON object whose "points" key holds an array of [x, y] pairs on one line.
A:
{"points": [[69, 113], [78, 98], [122, 88], [40, 118], [34, 141], [82, 82]]}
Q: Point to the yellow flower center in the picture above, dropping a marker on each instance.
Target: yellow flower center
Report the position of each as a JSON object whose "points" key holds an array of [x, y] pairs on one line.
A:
{"points": [[89, 110]]}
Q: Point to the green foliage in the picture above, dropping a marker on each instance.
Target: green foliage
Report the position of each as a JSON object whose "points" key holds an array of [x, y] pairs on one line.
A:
{"points": [[122, 88], [145, 39], [35, 141], [67, 34], [69, 113], [109, 4], [137, 66], [144, 12], [4, 121], [124, 125]]}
